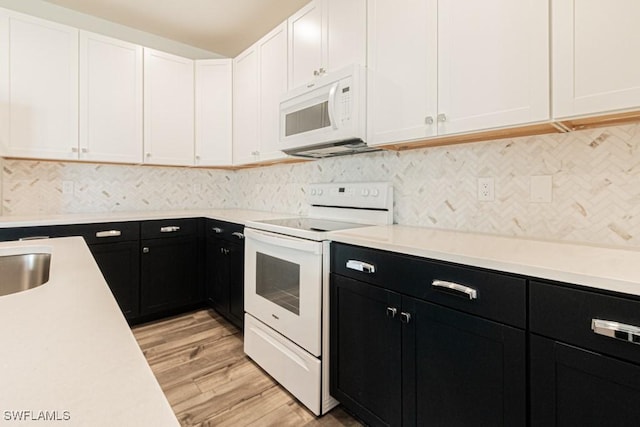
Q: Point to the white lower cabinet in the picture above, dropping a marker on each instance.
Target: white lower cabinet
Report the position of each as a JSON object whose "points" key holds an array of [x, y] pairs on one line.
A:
{"points": [[595, 63], [440, 67], [110, 99], [213, 119], [38, 88], [168, 109]]}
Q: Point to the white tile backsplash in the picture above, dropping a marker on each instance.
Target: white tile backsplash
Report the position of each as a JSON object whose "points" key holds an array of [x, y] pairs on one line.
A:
{"points": [[595, 184]]}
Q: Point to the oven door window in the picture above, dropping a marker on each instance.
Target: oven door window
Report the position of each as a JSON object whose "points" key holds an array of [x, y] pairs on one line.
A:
{"points": [[278, 281]]}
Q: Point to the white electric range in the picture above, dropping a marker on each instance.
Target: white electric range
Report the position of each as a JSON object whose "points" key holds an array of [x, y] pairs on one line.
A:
{"points": [[287, 285]]}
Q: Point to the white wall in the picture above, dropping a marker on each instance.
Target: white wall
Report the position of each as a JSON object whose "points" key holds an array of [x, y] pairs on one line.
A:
{"points": [[596, 186], [56, 13]]}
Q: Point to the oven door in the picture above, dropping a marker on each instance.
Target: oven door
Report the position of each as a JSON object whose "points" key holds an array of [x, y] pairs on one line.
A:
{"points": [[283, 285]]}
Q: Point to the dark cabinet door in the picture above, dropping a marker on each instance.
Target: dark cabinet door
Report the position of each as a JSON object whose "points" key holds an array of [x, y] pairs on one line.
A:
{"points": [[571, 386], [217, 275], [120, 266], [224, 277], [365, 350], [461, 370], [235, 267], [169, 274]]}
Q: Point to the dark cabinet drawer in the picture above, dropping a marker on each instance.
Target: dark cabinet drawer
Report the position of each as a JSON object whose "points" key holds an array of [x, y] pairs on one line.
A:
{"points": [[21, 233], [107, 232], [169, 228], [566, 314], [496, 296]]}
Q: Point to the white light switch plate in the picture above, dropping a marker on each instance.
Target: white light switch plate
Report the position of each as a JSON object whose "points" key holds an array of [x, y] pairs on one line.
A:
{"points": [[541, 189]]}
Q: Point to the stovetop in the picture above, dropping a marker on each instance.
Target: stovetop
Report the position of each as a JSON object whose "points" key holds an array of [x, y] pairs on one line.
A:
{"points": [[312, 224]]}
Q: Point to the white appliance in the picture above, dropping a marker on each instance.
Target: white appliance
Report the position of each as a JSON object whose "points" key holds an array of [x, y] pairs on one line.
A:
{"points": [[286, 286], [326, 117]]}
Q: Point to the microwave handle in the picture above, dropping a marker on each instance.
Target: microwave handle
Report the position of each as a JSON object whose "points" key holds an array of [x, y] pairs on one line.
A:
{"points": [[332, 106]]}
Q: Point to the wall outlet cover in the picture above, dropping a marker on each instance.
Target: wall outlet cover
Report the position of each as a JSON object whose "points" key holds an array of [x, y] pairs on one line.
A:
{"points": [[486, 189]]}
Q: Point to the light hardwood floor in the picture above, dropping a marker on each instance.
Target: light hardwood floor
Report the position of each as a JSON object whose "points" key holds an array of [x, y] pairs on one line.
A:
{"points": [[198, 361]]}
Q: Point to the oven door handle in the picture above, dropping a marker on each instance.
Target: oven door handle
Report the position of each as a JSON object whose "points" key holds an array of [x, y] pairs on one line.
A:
{"points": [[280, 240]]}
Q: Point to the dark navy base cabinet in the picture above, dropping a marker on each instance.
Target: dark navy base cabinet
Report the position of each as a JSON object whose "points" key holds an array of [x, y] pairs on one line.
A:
{"points": [[400, 358]]}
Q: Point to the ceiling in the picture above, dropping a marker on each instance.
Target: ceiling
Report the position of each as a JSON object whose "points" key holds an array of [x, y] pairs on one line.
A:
{"points": [[226, 27]]}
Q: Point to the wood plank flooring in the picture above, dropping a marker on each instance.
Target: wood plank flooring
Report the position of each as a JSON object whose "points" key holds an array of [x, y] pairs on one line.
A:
{"points": [[198, 361]]}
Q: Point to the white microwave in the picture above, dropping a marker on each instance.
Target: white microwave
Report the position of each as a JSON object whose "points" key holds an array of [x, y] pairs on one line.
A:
{"points": [[326, 117]]}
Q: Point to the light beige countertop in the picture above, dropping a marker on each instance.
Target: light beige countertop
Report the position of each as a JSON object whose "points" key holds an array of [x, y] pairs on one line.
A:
{"points": [[67, 352], [614, 269], [239, 216]]}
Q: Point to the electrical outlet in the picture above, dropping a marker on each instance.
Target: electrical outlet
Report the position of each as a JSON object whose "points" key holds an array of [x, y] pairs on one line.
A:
{"points": [[67, 187], [485, 189]]}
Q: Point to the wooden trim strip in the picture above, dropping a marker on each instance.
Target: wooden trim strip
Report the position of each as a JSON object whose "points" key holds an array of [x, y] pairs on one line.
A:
{"points": [[493, 134]]}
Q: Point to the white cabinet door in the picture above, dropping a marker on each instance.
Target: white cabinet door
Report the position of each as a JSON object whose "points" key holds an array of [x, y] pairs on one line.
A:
{"points": [[272, 55], [346, 33], [213, 112], [245, 107], [402, 67], [596, 66], [168, 109], [493, 64], [306, 33], [325, 36], [38, 88], [110, 99]]}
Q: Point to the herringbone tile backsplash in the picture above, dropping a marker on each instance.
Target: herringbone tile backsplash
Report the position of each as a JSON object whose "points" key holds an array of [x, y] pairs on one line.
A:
{"points": [[596, 186]]}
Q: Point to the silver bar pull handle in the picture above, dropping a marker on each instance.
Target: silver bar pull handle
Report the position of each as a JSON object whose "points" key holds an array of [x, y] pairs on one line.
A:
{"points": [[391, 312], [238, 235], [217, 230], [22, 239], [169, 229], [456, 287], [109, 233], [616, 330], [405, 317], [361, 266]]}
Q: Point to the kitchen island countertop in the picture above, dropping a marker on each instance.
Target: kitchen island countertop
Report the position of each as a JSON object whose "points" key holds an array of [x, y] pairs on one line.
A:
{"points": [[68, 356]]}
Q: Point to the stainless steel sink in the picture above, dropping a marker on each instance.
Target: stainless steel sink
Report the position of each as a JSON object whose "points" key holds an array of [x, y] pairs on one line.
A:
{"points": [[22, 271]]}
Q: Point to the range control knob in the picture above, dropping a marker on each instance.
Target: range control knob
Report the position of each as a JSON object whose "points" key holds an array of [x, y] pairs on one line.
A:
{"points": [[313, 191], [365, 192], [375, 192], [320, 191]]}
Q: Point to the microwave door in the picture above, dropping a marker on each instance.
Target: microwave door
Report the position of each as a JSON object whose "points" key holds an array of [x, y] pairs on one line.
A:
{"points": [[331, 110]]}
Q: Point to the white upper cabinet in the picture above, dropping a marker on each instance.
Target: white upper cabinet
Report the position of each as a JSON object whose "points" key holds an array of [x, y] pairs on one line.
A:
{"points": [[213, 119], [245, 107], [596, 66], [259, 81], [402, 70], [272, 71], [493, 64], [324, 36], [439, 67], [168, 109], [110, 99], [38, 88]]}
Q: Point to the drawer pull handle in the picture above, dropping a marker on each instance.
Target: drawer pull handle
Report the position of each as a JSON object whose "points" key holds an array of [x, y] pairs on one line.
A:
{"points": [[456, 287], [22, 239], [170, 229], [238, 235], [217, 230], [405, 317], [109, 233], [391, 312], [361, 266], [616, 330]]}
